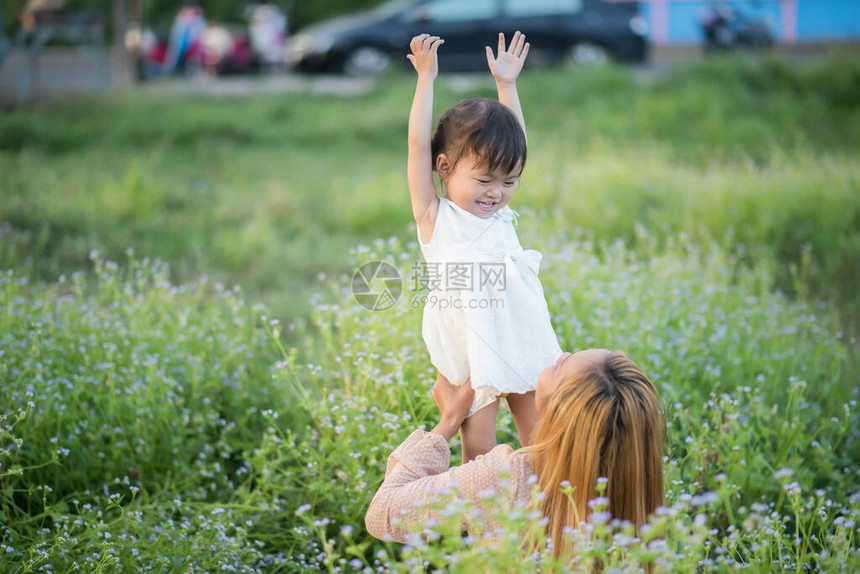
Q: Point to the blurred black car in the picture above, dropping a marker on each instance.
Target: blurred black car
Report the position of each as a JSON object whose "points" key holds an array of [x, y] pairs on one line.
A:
{"points": [[584, 31]]}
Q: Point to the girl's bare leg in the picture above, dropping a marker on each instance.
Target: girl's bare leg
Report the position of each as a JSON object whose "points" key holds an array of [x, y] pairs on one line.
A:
{"points": [[525, 414], [478, 432]]}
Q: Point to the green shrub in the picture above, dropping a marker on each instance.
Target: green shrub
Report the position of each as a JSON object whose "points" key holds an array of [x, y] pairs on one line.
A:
{"points": [[137, 387]]}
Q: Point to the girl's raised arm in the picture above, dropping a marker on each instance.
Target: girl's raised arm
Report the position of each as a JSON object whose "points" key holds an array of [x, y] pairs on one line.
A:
{"points": [[420, 163], [506, 67]]}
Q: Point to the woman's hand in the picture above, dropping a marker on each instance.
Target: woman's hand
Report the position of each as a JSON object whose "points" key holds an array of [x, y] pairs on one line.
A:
{"points": [[423, 55], [454, 403], [507, 65]]}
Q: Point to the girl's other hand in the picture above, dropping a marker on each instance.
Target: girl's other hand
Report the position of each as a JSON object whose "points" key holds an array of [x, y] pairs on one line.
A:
{"points": [[507, 65], [454, 403], [423, 55]]}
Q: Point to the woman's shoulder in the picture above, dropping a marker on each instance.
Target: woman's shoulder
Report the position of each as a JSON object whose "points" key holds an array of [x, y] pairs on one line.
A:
{"points": [[504, 455]]}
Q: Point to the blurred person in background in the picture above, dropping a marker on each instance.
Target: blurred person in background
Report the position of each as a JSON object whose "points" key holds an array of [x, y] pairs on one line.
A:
{"points": [[267, 27], [184, 44], [146, 50]]}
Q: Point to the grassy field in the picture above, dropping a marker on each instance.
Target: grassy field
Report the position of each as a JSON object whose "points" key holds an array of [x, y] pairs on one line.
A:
{"points": [[269, 192], [157, 417]]}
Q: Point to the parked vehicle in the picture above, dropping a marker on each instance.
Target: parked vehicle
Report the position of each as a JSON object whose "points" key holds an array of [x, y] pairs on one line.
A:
{"points": [[726, 28], [584, 31]]}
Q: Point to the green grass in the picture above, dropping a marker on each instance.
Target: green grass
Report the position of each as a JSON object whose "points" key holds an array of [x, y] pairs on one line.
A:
{"points": [[268, 192], [156, 426], [706, 223]]}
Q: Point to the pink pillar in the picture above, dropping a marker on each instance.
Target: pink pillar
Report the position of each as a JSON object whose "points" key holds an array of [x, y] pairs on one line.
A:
{"points": [[788, 9], [660, 21]]}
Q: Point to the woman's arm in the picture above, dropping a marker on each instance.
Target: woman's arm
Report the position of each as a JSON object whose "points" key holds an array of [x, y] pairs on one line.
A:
{"points": [[418, 476], [506, 67], [418, 468], [422, 461], [420, 162]]}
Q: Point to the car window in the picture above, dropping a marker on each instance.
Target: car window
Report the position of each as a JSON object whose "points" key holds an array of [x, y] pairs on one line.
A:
{"points": [[541, 7], [456, 10]]}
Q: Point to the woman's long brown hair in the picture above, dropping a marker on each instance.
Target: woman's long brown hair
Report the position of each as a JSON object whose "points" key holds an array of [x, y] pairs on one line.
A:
{"points": [[606, 422]]}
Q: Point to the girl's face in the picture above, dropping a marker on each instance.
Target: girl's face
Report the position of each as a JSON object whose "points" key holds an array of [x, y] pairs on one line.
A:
{"points": [[476, 189]]}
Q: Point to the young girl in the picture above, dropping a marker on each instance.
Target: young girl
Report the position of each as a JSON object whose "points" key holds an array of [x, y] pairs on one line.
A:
{"points": [[485, 318]]}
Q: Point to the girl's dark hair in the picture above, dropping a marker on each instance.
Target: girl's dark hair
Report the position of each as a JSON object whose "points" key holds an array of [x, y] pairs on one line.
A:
{"points": [[487, 129]]}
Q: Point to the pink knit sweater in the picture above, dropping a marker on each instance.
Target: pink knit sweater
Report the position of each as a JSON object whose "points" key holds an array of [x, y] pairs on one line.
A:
{"points": [[419, 474]]}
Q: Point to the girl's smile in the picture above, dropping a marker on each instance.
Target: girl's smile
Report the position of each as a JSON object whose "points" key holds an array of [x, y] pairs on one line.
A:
{"points": [[486, 207], [472, 187]]}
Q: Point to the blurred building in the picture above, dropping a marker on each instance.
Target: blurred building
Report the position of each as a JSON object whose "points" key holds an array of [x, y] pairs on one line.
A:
{"points": [[677, 22]]}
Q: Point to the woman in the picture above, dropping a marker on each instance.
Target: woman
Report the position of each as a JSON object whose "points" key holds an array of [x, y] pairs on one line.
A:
{"points": [[598, 416]]}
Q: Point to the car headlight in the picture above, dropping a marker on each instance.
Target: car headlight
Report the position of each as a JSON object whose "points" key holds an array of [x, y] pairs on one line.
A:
{"points": [[300, 44], [303, 44], [638, 25]]}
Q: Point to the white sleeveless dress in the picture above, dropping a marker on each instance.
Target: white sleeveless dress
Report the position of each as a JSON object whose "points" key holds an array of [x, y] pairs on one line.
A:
{"points": [[485, 315]]}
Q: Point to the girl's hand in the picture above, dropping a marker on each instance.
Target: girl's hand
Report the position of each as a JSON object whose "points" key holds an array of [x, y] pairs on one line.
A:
{"points": [[507, 66], [423, 55], [454, 403]]}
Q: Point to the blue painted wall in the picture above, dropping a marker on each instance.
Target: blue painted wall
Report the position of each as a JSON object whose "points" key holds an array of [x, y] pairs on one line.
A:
{"points": [[828, 20], [817, 20]]}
